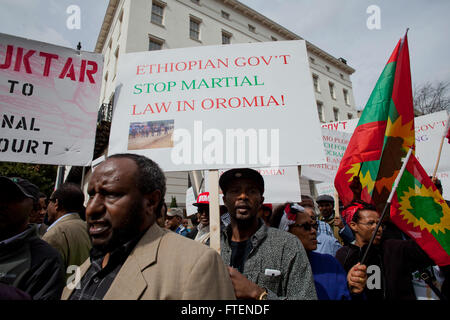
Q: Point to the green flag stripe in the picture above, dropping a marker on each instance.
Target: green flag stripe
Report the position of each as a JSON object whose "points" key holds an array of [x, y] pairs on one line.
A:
{"points": [[377, 106]]}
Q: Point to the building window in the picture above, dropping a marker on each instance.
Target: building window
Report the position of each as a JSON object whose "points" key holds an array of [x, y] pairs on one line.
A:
{"points": [[194, 29], [157, 12], [116, 55], [328, 68], [120, 23], [316, 82], [273, 38], [226, 37], [312, 60], [196, 1], [109, 50], [106, 84], [349, 116], [155, 44], [332, 93], [251, 28], [225, 15], [320, 111], [336, 114], [346, 99], [342, 76]]}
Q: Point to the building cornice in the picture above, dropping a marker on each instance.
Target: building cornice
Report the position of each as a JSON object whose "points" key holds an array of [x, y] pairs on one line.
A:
{"points": [[106, 24]]}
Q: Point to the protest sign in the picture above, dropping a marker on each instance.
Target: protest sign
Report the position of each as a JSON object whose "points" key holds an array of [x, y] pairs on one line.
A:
{"points": [[280, 184], [325, 188], [190, 199], [49, 97], [347, 126], [445, 181], [216, 107], [429, 131], [335, 143]]}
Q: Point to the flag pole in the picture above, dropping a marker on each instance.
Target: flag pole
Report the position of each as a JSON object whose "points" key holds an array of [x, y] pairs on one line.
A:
{"points": [[440, 148], [388, 203]]}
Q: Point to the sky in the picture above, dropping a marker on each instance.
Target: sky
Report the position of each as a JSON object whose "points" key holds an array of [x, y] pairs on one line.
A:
{"points": [[340, 27]]}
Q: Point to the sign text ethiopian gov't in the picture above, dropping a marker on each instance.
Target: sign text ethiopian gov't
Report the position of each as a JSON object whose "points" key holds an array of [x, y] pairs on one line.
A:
{"points": [[49, 97], [217, 107]]}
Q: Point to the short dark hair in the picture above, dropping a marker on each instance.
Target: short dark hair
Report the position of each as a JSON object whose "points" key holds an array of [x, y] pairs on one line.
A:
{"points": [[149, 177], [69, 196]]}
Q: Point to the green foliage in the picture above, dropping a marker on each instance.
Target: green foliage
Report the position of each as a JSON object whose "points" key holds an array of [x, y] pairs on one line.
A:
{"points": [[173, 203], [41, 175]]}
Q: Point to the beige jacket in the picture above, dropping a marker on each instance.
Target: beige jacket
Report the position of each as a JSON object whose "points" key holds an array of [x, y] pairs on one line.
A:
{"points": [[165, 265], [70, 237]]}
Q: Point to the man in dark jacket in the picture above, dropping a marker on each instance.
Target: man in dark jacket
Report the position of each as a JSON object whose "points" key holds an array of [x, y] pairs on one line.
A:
{"points": [[26, 262], [390, 262]]}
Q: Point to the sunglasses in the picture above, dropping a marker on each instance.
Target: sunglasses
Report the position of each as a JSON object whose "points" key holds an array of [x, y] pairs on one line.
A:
{"points": [[307, 226]]}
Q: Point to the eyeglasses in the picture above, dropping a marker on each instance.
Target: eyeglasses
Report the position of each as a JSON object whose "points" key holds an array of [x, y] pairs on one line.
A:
{"points": [[371, 224], [307, 226]]}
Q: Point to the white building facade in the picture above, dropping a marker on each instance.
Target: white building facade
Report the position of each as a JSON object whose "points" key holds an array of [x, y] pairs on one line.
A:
{"points": [[142, 25]]}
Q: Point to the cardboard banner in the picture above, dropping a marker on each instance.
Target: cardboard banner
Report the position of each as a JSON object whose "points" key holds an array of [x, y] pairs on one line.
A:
{"points": [[280, 184], [216, 107], [335, 143], [49, 99]]}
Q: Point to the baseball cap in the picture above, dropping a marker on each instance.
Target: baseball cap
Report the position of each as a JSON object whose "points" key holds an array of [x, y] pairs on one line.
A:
{"points": [[172, 212], [325, 198], [245, 173], [23, 186], [202, 199]]}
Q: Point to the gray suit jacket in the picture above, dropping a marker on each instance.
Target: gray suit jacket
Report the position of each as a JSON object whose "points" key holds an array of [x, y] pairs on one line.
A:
{"points": [[165, 265]]}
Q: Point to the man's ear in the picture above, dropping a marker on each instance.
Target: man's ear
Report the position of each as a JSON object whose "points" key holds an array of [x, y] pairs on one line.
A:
{"points": [[151, 202], [57, 206], [353, 226]]}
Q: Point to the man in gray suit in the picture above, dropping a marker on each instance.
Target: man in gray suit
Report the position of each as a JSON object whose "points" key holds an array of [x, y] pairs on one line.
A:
{"points": [[132, 257]]}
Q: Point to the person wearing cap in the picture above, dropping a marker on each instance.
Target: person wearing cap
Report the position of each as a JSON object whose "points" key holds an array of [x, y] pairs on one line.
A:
{"points": [[26, 262], [341, 231], [330, 279], [67, 233], [201, 232], [174, 221], [132, 258], [264, 262]]}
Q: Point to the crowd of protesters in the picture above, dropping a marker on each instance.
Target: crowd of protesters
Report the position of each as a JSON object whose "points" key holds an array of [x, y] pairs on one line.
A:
{"points": [[126, 244]]}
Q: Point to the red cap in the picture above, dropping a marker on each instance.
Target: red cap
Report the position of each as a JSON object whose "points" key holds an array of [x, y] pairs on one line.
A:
{"points": [[202, 199]]}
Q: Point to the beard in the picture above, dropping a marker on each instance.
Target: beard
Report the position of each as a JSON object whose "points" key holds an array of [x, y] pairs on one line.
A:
{"points": [[130, 229]]}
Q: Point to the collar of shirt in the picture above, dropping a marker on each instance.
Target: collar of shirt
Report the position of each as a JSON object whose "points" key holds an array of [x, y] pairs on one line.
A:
{"points": [[118, 254], [67, 214], [17, 236], [256, 238]]}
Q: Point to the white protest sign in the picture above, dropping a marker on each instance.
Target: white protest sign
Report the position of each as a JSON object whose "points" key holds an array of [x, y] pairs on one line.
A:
{"points": [[190, 199], [49, 99], [429, 131], [445, 181], [215, 107], [325, 188], [335, 143], [347, 126], [280, 184]]}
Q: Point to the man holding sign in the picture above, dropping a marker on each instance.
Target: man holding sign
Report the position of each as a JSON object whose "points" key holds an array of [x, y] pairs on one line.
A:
{"points": [[265, 263]]}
